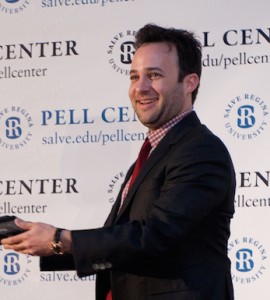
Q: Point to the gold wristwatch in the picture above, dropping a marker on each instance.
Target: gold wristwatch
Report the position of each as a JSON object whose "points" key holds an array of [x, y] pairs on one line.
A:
{"points": [[56, 244]]}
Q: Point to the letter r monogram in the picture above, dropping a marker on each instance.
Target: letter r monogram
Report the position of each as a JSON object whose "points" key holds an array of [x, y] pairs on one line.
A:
{"points": [[11, 265], [13, 130], [244, 260], [245, 116]]}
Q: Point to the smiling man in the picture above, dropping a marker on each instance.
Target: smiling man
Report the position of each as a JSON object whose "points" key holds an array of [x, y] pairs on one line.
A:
{"points": [[166, 236], [155, 91]]}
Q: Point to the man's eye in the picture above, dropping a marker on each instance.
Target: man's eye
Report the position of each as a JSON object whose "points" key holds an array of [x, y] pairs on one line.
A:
{"points": [[133, 77], [154, 75]]}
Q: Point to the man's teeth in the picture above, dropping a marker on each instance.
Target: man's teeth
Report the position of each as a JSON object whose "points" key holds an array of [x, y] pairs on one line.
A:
{"points": [[147, 101]]}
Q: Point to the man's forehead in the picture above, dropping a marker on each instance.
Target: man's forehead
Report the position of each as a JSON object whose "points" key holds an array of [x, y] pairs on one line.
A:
{"points": [[156, 46], [153, 56]]}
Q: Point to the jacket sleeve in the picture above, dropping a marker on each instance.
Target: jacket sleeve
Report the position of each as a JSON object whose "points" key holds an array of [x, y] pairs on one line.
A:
{"points": [[57, 263]]}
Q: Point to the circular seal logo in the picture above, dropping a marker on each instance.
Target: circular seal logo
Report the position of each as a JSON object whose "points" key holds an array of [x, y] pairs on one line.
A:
{"points": [[15, 128], [13, 6], [14, 268], [248, 257], [114, 186], [121, 51], [246, 117]]}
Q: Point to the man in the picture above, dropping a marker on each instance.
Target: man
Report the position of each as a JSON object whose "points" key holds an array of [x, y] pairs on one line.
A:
{"points": [[166, 236]]}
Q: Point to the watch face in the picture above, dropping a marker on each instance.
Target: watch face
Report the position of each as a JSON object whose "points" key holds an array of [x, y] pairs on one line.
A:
{"points": [[57, 248]]}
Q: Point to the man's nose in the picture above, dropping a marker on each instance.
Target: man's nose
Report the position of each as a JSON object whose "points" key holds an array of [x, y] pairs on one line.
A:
{"points": [[143, 85]]}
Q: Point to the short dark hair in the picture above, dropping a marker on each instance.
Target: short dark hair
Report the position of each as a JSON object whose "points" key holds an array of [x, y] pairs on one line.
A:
{"points": [[188, 48]]}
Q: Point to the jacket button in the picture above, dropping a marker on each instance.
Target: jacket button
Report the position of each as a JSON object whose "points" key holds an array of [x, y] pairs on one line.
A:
{"points": [[108, 265], [95, 267]]}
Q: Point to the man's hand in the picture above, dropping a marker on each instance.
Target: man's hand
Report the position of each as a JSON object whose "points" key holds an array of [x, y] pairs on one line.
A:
{"points": [[36, 240]]}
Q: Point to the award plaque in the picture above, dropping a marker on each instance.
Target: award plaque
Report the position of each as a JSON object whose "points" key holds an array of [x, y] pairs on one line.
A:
{"points": [[8, 227]]}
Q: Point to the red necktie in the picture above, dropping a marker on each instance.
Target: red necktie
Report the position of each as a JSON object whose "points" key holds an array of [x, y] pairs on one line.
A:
{"points": [[143, 155], [109, 296]]}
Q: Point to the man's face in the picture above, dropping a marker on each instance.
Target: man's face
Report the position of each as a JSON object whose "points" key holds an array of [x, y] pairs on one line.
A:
{"points": [[155, 92]]}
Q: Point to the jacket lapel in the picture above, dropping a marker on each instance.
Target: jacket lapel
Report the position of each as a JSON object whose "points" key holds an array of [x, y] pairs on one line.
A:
{"points": [[179, 131]]}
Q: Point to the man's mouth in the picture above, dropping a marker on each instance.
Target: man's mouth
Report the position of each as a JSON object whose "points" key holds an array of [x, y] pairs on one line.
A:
{"points": [[146, 101]]}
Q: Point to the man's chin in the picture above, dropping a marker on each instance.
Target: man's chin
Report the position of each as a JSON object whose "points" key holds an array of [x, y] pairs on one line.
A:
{"points": [[150, 125]]}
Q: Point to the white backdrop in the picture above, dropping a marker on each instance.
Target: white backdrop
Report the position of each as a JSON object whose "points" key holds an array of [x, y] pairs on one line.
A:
{"points": [[68, 132]]}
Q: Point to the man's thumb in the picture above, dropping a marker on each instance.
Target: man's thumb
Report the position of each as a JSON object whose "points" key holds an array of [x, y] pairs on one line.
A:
{"points": [[23, 224]]}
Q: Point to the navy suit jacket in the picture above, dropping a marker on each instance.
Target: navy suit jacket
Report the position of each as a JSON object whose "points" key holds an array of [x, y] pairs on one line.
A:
{"points": [[169, 240]]}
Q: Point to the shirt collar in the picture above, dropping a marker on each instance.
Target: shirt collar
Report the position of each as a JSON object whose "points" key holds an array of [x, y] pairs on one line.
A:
{"points": [[155, 136]]}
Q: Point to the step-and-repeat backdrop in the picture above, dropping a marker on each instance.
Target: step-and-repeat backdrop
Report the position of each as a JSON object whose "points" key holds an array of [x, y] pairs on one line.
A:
{"points": [[68, 132]]}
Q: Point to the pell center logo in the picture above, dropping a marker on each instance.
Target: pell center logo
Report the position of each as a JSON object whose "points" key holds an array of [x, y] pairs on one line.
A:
{"points": [[248, 257], [246, 117], [13, 6], [15, 127], [121, 51], [14, 267]]}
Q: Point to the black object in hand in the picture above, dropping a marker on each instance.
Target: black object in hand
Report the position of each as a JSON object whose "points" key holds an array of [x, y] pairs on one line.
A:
{"points": [[8, 227]]}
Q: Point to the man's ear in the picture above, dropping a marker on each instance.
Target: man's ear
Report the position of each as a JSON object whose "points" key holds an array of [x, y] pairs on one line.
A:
{"points": [[191, 82]]}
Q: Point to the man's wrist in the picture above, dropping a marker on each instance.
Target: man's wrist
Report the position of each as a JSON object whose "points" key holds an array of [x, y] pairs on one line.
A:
{"points": [[62, 242], [56, 244], [66, 241]]}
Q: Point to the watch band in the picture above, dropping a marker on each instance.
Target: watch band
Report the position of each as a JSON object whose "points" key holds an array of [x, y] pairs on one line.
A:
{"points": [[56, 245]]}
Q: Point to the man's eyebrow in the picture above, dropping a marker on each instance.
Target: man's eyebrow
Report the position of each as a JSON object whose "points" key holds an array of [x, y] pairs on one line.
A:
{"points": [[132, 71], [147, 69]]}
